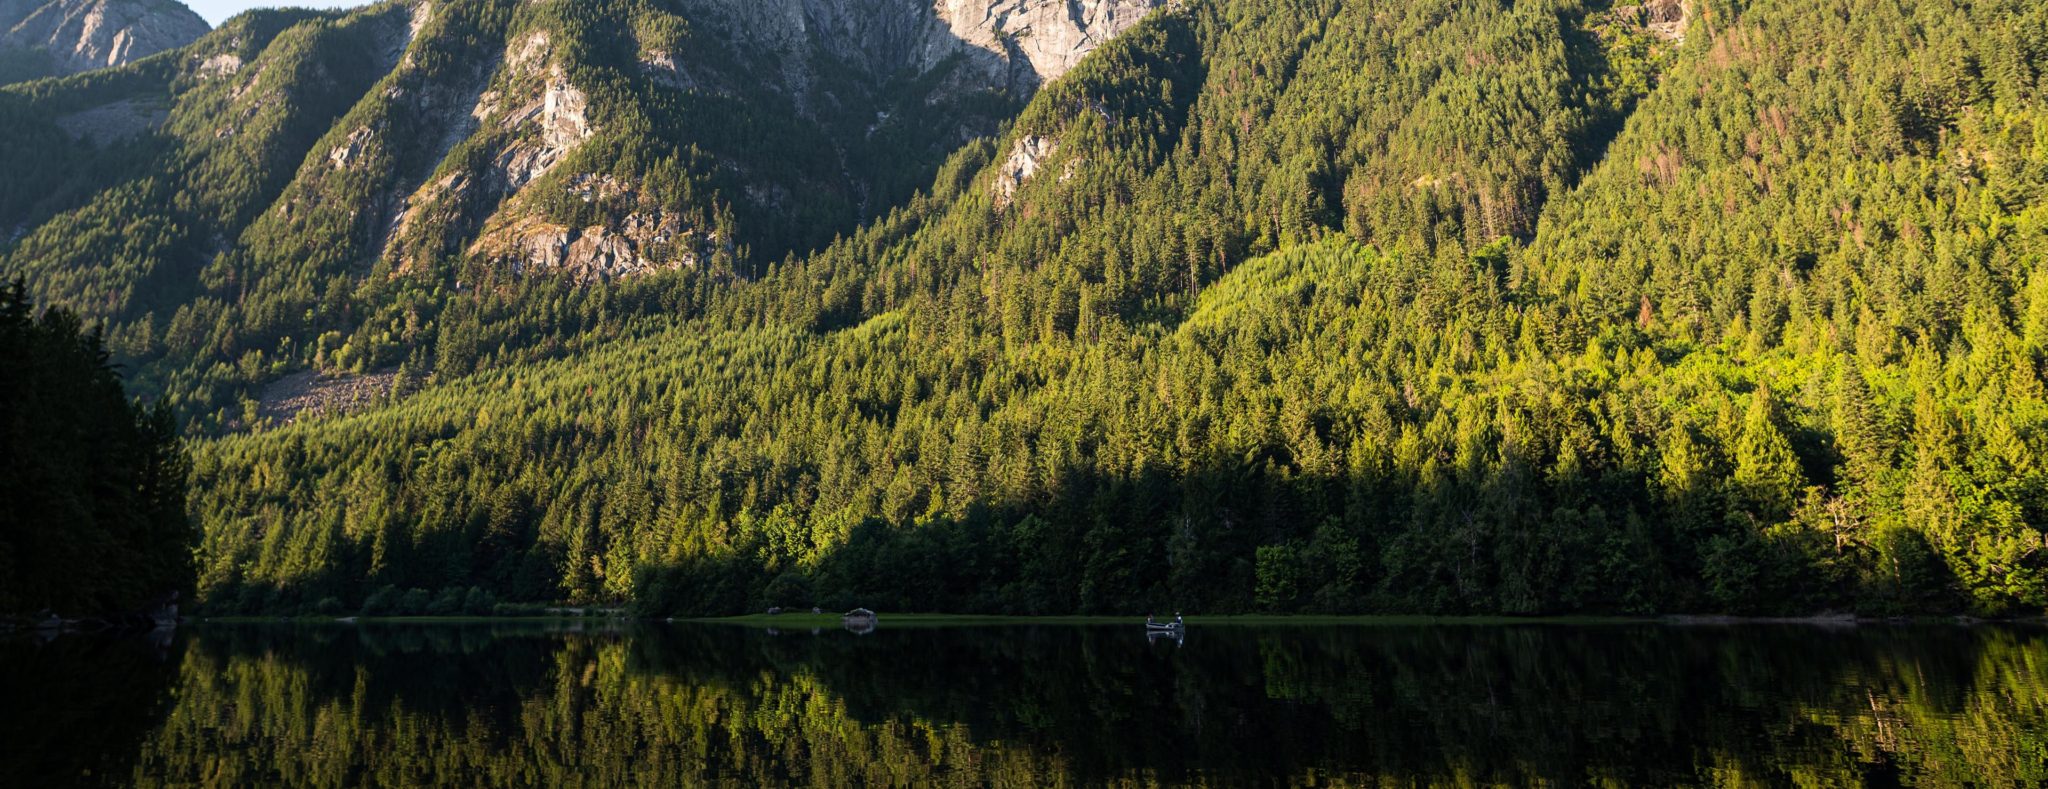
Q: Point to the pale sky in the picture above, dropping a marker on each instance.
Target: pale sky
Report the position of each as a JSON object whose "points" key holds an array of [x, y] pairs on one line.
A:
{"points": [[217, 11]]}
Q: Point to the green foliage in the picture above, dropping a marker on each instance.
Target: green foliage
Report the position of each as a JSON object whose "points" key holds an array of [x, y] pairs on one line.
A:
{"points": [[92, 486], [1767, 479]]}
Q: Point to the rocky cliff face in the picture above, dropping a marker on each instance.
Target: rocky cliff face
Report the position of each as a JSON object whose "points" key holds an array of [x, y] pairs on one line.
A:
{"points": [[1006, 44], [1048, 38], [69, 36]]}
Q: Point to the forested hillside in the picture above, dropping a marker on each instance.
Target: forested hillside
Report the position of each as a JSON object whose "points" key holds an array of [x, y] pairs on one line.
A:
{"points": [[1295, 305], [406, 192]]}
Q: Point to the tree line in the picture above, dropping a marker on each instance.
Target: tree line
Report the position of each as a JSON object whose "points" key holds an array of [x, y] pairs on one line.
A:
{"points": [[92, 484]]}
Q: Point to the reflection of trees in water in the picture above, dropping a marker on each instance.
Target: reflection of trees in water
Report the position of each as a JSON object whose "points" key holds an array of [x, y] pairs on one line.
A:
{"points": [[1034, 705], [74, 710]]}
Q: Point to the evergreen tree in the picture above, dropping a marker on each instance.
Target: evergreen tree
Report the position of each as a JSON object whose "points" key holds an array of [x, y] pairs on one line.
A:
{"points": [[1767, 480], [92, 486]]}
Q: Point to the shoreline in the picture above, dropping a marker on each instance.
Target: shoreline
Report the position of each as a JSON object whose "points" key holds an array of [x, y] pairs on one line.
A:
{"points": [[908, 620], [1362, 620]]}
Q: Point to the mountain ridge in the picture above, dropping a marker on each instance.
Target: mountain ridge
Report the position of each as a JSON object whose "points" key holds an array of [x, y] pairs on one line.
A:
{"points": [[54, 37]]}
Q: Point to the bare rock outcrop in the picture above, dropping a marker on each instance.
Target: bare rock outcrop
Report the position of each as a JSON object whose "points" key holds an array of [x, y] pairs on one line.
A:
{"points": [[644, 239], [351, 148], [79, 35], [559, 120], [1047, 37], [1025, 156], [1006, 44], [1665, 19]]}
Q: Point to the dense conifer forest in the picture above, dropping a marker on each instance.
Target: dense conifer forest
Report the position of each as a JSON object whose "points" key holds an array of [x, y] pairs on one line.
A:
{"points": [[1448, 306], [92, 486]]}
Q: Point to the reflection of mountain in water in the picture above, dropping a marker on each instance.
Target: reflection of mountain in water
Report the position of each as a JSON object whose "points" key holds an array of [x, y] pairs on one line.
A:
{"points": [[699, 704]]}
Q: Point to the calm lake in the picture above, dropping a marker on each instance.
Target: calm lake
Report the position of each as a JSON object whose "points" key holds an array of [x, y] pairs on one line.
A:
{"points": [[1030, 705]]}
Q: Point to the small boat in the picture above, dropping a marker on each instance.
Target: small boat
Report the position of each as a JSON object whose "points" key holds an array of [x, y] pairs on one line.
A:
{"points": [[1173, 626]]}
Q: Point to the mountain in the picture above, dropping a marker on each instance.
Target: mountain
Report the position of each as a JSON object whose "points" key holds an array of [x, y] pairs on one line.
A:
{"points": [[1311, 305], [271, 188], [68, 36]]}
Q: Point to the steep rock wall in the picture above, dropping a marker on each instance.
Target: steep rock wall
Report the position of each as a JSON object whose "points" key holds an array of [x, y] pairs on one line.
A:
{"points": [[78, 35]]}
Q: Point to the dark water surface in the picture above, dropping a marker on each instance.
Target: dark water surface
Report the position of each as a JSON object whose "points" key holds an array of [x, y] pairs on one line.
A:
{"points": [[1030, 705]]}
